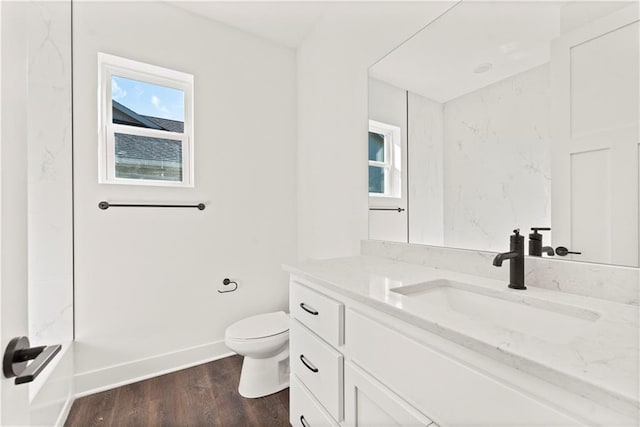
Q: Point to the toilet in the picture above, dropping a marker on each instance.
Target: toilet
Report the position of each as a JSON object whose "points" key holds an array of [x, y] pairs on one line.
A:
{"points": [[263, 340]]}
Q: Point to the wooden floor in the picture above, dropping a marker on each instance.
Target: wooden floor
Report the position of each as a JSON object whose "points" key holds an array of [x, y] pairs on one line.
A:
{"points": [[205, 395]]}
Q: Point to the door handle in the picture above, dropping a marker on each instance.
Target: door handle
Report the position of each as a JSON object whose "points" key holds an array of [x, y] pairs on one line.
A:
{"points": [[17, 355]]}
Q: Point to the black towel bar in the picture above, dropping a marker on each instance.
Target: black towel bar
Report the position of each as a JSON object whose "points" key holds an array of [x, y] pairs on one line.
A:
{"points": [[104, 205], [387, 209]]}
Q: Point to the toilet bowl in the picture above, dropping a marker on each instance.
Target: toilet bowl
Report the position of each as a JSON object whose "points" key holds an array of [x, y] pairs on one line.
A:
{"points": [[263, 340]]}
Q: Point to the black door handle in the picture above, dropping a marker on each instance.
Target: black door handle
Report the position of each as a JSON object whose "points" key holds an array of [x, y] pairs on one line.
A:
{"points": [[17, 355], [309, 365], [303, 421]]}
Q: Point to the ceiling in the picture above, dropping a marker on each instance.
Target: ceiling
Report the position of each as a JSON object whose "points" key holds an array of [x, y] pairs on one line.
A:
{"points": [[286, 22], [439, 62]]}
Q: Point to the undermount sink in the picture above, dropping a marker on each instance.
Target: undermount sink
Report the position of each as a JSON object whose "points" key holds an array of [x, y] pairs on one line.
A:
{"points": [[514, 311]]}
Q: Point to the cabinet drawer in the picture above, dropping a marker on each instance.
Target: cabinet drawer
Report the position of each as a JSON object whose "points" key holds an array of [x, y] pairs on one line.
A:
{"points": [[321, 314], [318, 366], [304, 410], [440, 386]]}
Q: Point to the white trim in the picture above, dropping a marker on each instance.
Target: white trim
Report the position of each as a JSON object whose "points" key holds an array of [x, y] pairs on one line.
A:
{"points": [[150, 133], [137, 370], [51, 393], [64, 412], [109, 66], [393, 160]]}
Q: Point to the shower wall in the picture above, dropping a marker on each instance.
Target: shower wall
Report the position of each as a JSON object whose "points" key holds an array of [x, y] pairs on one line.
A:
{"points": [[49, 173]]}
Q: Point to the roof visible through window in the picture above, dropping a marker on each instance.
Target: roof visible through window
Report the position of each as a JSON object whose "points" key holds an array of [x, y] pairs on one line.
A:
{"points": [[148, 99]]}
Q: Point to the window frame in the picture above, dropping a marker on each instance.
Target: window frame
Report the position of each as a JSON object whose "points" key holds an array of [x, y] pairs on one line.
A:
{"points": [[111, 65], [390, 133]]}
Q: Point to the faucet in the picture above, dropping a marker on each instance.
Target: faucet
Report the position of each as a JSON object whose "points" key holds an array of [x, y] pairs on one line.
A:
{"points": [[516, 260], [535, 243]]}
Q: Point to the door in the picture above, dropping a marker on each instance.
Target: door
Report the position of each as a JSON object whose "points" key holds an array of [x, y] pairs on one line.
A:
{"points": [[369, 403], [35, 205], [14, 401], [594, 118]]}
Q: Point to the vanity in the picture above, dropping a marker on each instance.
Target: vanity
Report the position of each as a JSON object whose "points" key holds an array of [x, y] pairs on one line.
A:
{"points": [[374, 341]]}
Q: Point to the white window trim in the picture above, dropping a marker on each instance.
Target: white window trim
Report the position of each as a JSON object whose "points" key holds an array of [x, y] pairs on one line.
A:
{"points": [[110, 65], [392, 166]]}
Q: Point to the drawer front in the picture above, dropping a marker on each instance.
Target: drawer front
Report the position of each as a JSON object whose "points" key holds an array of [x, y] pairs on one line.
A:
{"points": [[318, 366], [321, 314], [442, 387], [304, 410]]}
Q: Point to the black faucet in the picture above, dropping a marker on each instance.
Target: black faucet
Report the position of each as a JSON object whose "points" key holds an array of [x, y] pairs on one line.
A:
{"points": [[516, 260], [535, 243]]}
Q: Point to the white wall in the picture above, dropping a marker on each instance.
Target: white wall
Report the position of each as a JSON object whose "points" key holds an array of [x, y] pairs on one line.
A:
{"points": [[479, 165], [420, 120], [332, 118], [426, 171], [497, 173], [147, 279], [388, 104]]}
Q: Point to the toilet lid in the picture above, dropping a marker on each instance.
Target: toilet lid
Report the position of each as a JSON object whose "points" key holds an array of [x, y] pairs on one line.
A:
{"points": [[260, 326]]}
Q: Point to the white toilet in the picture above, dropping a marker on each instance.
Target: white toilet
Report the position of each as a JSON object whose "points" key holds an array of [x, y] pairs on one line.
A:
{"points": [[263, 340]]}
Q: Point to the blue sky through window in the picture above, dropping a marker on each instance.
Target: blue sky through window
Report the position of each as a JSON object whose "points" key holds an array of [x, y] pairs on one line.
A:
{"points": [[148, 99]]}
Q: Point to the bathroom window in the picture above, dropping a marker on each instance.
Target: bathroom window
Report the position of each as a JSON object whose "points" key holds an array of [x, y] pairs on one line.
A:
{"points": [[146, 124], [384, 160]]}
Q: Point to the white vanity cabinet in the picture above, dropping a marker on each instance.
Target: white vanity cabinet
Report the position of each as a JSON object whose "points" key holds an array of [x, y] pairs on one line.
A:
{"points": [[353, 364]]}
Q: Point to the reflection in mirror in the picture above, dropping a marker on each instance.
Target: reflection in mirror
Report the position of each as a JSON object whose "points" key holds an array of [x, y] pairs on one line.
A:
{"points": [[516, 115]]}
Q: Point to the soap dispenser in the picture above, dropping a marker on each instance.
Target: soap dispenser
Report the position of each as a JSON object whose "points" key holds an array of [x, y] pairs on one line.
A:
{"points": [[535, 243]]}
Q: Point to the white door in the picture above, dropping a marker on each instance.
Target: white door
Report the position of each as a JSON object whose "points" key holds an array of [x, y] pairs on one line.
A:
{"points": [[594, 117], [14, 403], [369, 403]]}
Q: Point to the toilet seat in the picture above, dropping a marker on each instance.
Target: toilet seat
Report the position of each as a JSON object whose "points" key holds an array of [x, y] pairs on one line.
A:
{"points": [[259, 327], [284, 335]]}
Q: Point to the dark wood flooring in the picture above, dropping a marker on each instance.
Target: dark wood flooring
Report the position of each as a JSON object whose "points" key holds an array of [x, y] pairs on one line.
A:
{"points": [[205, 395]]}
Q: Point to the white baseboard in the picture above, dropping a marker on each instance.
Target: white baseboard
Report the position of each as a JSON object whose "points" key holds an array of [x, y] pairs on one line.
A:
{"points": [[64, 412], [118, 375]]}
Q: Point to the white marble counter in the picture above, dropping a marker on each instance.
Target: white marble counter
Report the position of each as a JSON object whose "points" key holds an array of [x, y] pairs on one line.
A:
{"points": [[601, 362]]}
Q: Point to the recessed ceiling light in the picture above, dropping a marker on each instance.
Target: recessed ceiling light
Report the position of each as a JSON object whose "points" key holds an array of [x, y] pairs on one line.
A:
{"points": [[483, 68], [508, 47]]}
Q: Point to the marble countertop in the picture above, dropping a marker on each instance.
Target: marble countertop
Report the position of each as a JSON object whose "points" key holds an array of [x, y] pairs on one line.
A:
{"points": [[600, 362]]}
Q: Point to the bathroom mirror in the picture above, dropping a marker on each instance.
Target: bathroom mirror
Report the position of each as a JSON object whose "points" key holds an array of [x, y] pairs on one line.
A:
{"points": [[503, 115]]}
